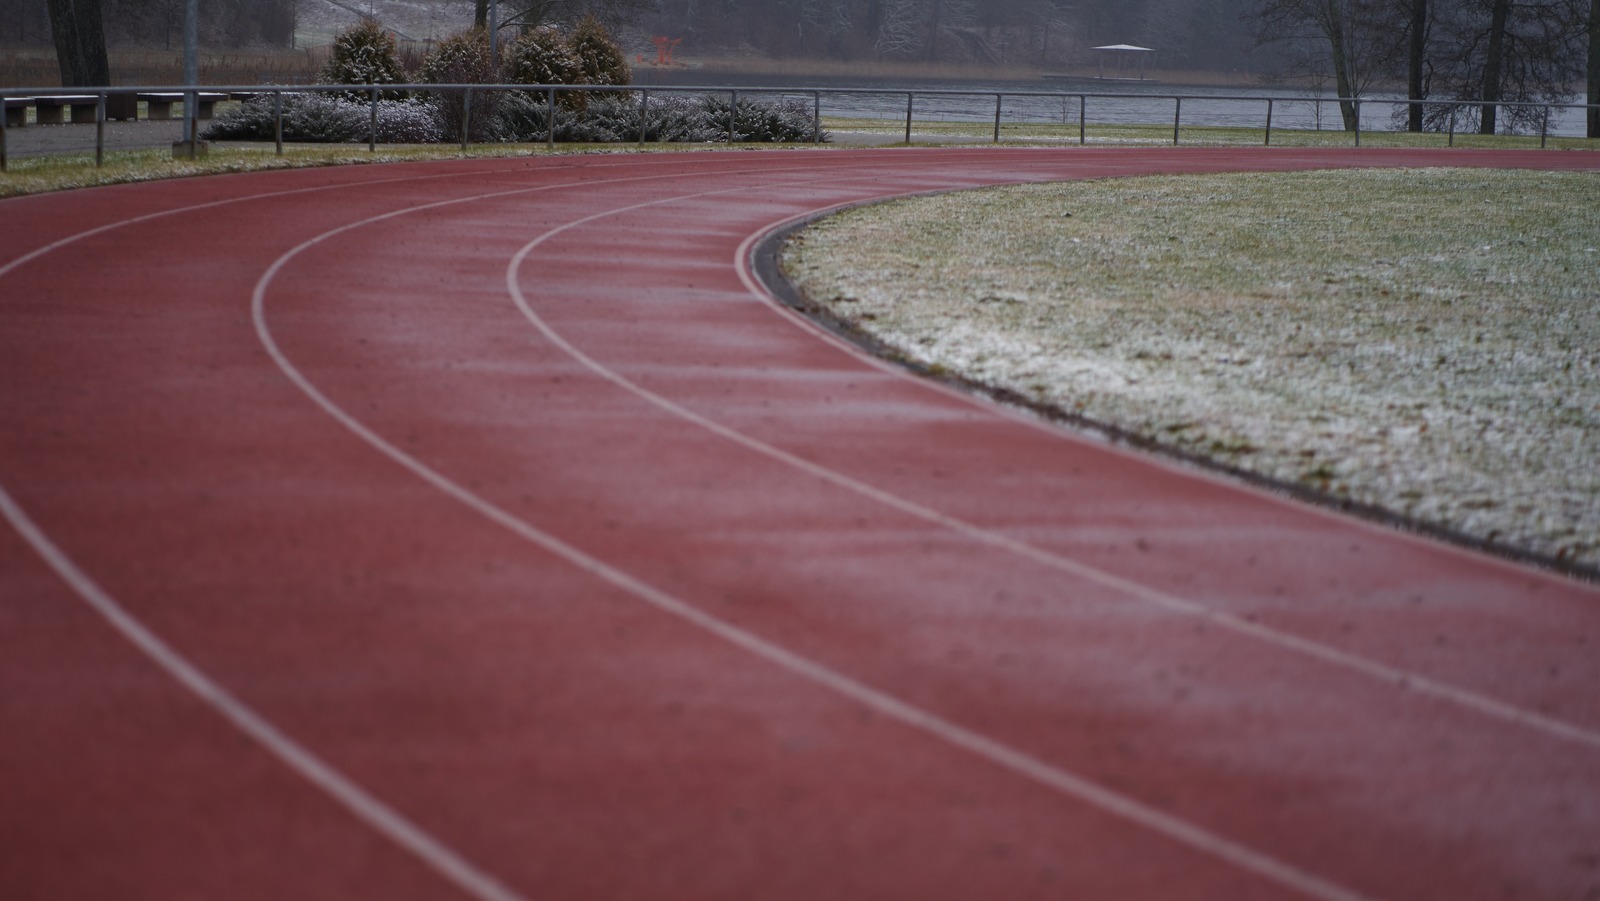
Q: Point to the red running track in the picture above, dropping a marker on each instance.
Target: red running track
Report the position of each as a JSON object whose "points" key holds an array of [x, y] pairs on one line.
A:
{"points": [[478, 529]]}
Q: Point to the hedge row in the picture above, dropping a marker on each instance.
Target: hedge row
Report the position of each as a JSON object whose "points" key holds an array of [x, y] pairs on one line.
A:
{"points": [[519, 117]]}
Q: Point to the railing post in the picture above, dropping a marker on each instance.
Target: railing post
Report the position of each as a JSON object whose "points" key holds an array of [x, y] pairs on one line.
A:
{"points": [[100, 130], [733, 111], [1268, 141], [372, 136], [1177, 118], [466, 118], [3, 130], [1452, 141], [910, 98], [1356, 106], [816, 117], [550, 118], [277, 120], [1083, 131], [644, 111], [1544, 126], [999, 99]]}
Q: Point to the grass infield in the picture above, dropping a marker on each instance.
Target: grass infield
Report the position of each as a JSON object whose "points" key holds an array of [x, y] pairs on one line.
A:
{"points": [[1420, 341]]}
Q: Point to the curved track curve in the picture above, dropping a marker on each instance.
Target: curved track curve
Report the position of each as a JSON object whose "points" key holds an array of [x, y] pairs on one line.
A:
{"points": [[482, 529]]}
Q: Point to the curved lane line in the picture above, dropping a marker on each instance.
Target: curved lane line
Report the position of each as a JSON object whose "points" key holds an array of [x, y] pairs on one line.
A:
{"points": [[1381, 672], [1006, 757], [364, 805]]}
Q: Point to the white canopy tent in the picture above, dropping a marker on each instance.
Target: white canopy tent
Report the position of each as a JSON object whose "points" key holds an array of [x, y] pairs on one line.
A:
{"points": [[1120, 53]]}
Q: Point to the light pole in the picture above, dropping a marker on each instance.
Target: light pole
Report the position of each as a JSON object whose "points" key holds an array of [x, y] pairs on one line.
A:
{"points": [[494, 34], [190, 146]]}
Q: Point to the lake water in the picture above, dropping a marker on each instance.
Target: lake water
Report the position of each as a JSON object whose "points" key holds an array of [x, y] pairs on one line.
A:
{"points": [[1106, 102]]}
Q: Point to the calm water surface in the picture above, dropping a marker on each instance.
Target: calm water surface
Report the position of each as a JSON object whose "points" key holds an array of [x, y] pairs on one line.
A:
{"points": [[1105, 102]]}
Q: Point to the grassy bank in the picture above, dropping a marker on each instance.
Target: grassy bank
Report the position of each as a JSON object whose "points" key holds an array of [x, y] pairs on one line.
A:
{"points": [[36, 175], [39, 174], [1420, 341]]}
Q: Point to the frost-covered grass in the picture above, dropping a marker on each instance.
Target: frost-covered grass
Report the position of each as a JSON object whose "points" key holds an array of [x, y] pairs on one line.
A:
{"points": [[60, 172], [1425, 341]]}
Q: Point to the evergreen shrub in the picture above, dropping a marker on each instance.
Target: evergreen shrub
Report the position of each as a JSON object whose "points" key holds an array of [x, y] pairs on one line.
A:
{"points": [[365, 54], [463, 58], [600, 58], [542, 56]]}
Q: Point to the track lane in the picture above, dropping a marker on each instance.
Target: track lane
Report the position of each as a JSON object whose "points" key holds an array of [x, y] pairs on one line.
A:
{"points": [[645, 546], [807, 668]]}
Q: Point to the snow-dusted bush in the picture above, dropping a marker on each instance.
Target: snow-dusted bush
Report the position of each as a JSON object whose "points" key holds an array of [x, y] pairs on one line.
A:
{"points": [[542, 56], [365, 54], [601, 59], [407, 122], [761, 121], [612, 117], [327, 119], [463, 58]]}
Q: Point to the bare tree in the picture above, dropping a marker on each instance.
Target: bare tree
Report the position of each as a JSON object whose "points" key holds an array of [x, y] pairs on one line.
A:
{"points": [[1500, 51], [899, 32], [524, 14], [1331, 36]]}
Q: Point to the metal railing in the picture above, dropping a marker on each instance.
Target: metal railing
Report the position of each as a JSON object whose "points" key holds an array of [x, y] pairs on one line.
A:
{"points": [[1003, 102]]}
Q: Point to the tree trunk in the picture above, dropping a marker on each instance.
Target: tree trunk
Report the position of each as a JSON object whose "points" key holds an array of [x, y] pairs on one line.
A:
{"points": [[92, 45], [933, 31], [1492, 65], [1416, 54], [480, 14], [1339, 44], [64, 31], [1594, 67], [80, 41]]}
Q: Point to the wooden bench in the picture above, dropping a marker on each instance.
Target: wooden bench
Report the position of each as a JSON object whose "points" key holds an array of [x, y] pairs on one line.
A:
{"points": [[160, 105], [51, 106], [17, 111]]}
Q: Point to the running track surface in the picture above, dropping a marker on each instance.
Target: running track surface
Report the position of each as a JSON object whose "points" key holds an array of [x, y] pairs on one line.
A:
{"points": [[479, 529]]}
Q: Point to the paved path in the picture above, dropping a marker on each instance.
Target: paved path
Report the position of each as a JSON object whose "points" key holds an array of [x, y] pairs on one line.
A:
{"points": [[478, 529], [48, 140]]}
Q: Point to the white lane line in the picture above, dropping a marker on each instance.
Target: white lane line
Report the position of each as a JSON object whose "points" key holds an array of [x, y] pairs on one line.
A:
{"points": [[565, 164], [366, 807], [1403, 680], [69, 240], [363, 804], [1065, 782]]}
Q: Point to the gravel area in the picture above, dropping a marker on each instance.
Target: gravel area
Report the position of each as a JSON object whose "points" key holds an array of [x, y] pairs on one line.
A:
{"points": [[1422, 341], [53, 140]]}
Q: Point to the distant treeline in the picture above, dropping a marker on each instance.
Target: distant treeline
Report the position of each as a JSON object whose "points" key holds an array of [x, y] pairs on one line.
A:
{"points": [[159, 23], [1187, 34]]}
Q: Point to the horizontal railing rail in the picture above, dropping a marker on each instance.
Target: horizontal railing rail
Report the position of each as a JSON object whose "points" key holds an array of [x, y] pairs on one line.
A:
{"points": [[1453, 111]]}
